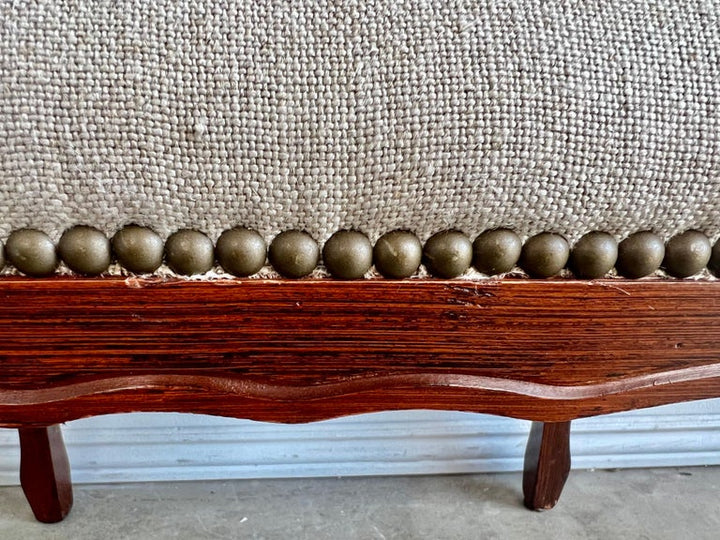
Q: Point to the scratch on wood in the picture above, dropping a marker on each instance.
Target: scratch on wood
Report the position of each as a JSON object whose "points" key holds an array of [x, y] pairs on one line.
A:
{"points": [[476, 291], [609, 286], [135, 282]]}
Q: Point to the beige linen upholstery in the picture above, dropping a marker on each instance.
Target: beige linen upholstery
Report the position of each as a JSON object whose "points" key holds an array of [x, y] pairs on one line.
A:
{"points": [[537, 115]]}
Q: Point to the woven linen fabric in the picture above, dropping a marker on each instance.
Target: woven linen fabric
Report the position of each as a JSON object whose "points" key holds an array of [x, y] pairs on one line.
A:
{"points": [[566, 116]]}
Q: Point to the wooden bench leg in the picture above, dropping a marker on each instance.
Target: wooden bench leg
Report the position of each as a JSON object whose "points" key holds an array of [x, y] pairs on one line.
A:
{"points": [[547, 464], [45, 472]]}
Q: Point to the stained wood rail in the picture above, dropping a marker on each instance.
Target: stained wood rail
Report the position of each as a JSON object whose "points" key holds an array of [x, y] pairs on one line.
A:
{"points": [[297, 351]]}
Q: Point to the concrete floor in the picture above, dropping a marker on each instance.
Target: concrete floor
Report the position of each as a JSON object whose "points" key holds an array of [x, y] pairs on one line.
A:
{"points": [[626, 504]]}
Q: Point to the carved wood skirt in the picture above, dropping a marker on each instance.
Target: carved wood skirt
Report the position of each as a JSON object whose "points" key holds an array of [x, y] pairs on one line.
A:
{"points": [[297, 351]]}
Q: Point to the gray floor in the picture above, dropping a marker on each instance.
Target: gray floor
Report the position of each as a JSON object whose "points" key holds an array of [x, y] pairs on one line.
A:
{"points": [[627, 504]]}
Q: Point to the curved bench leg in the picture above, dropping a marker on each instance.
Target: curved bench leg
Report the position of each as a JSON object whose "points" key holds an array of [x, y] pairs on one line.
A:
{"points": [[45, 472], [547, 464]]}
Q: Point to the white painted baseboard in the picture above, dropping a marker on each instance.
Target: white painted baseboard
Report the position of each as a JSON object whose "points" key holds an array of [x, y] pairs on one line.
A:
{"points": [[156, 447]]}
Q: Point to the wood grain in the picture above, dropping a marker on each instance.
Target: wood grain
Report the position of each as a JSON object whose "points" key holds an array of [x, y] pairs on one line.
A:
{"points": [[45, 473], [294, 351], [547, 464]]}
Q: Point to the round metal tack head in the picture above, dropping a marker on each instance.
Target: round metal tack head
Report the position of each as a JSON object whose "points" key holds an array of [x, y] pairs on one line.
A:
{"points": [[594, 255], [294, 254], [241, 252], [544, 255], [714, 263], [348, 254], [640, 254], [138, 249], [85, 250], [496, 251], [397, 254], [189, 252], [448, 254], [687, 254], [32, 252]]}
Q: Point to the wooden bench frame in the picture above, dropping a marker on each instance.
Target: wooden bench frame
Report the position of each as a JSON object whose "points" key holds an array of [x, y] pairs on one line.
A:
{"points": [[296, 351]]}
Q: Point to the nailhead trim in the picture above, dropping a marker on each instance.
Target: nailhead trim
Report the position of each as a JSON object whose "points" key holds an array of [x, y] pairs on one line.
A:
{"points": [[713, 265]]}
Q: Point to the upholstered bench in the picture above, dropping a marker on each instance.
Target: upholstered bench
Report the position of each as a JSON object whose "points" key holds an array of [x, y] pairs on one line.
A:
{"points": [[295, 211]]}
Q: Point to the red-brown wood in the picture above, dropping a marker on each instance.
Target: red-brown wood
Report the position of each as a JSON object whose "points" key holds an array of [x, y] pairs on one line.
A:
{"points": [[547, 464], [45, 473], [294, 351]]}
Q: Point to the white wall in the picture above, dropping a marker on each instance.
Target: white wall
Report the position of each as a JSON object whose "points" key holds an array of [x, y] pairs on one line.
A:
{"points": [[145, 447]]}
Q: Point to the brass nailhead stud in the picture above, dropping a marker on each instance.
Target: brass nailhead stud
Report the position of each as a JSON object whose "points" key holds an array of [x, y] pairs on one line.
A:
{"points": [[544, 255], [714, 264], [687, 254], [640, 254], [85, 250], [241, 252], [496, 251], [397, 254], [138, 249], [294, 254], [348, 254], [594, 255], [32, 252], [448, 254], [189, 252]]}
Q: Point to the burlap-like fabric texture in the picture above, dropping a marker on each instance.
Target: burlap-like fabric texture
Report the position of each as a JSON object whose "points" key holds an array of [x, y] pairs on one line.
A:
{"points": [[538, 115]]}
